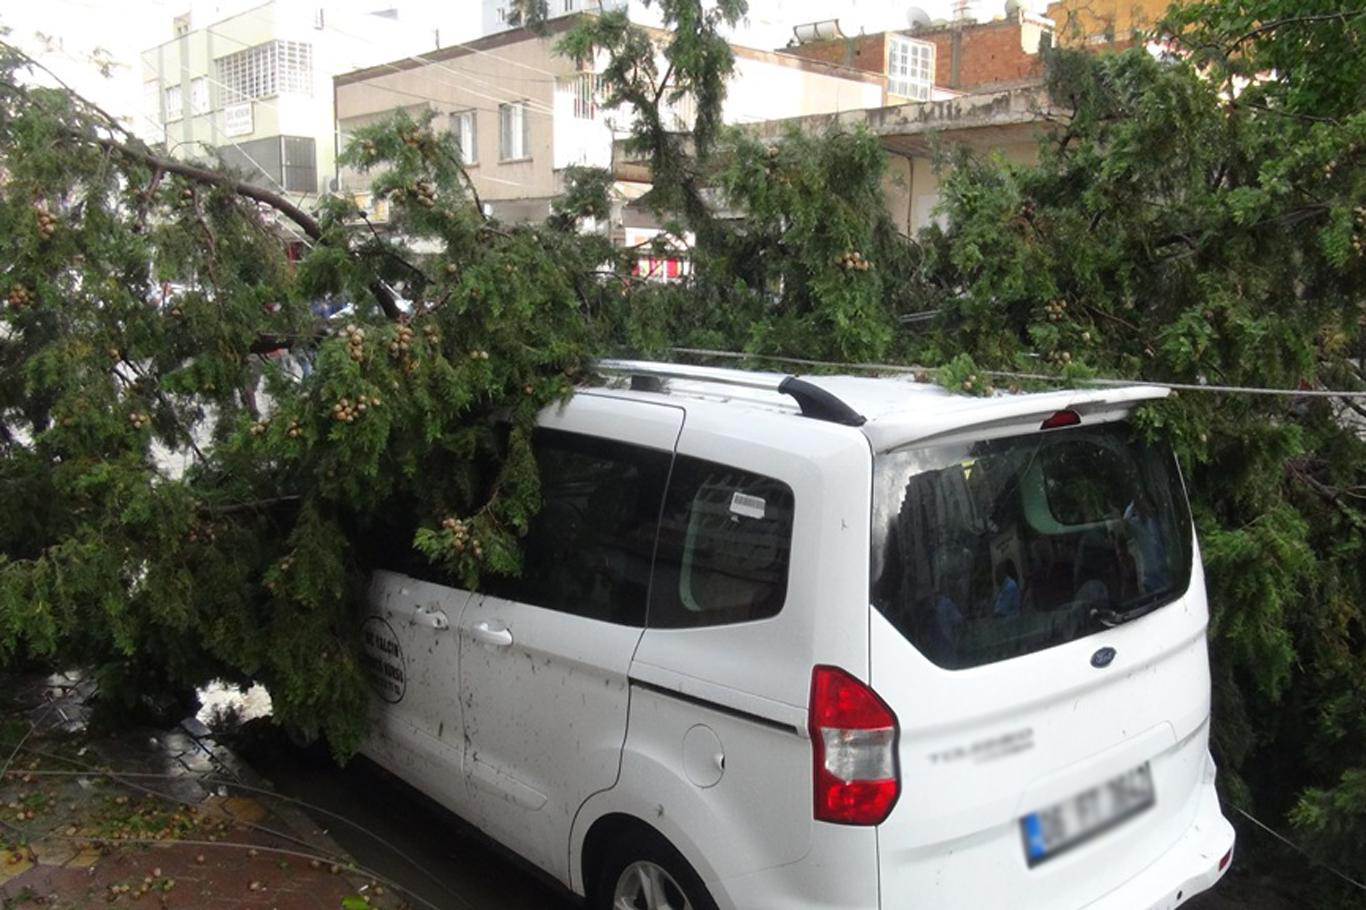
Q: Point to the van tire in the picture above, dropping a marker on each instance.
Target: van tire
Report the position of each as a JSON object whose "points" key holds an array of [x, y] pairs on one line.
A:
{"points": [[643, 847]]}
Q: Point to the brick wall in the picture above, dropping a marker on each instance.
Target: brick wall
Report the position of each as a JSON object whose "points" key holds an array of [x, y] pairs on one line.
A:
{"points": [[980, 55], [968, 57], [862, 52]]}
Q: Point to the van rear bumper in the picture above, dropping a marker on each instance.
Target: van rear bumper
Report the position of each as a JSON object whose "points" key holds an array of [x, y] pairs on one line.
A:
{"points": [[1190, 866]]}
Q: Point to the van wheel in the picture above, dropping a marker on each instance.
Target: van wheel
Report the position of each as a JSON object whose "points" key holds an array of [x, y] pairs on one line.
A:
{"points": [[644, 872]]}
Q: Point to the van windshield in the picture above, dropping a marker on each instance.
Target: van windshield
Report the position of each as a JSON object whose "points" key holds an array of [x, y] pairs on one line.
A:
{"points": [[986, 550]]}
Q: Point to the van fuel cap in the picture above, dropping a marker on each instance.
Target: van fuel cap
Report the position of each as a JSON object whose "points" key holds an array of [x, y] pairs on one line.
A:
{"points": [[704, 760]]}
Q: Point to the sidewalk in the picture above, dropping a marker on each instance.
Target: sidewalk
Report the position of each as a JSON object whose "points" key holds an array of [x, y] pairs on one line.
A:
{"points": [[152, 819]]}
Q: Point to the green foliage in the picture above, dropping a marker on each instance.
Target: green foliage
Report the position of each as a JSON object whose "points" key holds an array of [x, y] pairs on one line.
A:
{"points": [[300, 466]]}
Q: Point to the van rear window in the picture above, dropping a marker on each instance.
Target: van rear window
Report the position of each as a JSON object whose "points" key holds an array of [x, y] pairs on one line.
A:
{"points": [[987, 550]]}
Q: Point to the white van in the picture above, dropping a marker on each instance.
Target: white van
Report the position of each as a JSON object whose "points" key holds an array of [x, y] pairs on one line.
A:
{"points": [[838, 642]]}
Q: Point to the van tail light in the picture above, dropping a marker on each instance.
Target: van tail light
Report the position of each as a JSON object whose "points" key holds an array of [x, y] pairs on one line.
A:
{"points": [[853, 743], [1061, 419]]}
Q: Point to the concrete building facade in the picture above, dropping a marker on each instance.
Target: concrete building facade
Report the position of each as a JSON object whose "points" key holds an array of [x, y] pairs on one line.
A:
{"points": [[522, 113], [255, 87]]}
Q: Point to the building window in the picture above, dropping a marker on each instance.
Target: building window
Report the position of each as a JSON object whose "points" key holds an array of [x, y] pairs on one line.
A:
{"points": [[275, 162], [172, 102], [300, 164], [583, 90], [273, 68], [513, 136], [571, 5], [910, 68], [462, 129], [678, 114], [199, 96], [151, 101]]}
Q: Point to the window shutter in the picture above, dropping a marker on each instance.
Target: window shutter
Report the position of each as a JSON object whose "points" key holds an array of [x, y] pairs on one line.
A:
{"points": [[525, 149]]}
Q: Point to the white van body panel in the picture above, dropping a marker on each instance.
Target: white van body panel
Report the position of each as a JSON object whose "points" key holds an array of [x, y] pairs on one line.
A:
{"points": [[749, 835], [829, 470]]}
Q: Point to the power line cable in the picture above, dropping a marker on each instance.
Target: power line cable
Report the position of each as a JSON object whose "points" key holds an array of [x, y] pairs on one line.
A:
{"points": [[534, 105], [1298, 849], [1044, 377]]}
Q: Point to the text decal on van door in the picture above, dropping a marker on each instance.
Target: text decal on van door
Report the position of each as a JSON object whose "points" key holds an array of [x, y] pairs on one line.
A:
{"points": [[748, 506], [383, 659]]}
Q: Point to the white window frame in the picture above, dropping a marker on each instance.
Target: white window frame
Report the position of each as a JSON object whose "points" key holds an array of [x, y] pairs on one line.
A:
{"points": [[172, 102], [466, 124], [266, 70], [199, 96], [910, 68], [514, 132], [582, 90], [151, 100]]}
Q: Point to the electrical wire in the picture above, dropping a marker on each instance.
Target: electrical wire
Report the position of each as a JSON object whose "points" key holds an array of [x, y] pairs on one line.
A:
{"points": [[536, 106], [1044, 377], [1298, 849]]}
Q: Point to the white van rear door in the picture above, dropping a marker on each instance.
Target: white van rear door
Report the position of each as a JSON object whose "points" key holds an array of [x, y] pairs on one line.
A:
{"points": [[1040, 632]]}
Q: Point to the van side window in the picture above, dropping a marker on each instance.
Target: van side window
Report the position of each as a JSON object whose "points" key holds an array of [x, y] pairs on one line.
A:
{"points": [[589, 548], [724, 543], [388, 544]]}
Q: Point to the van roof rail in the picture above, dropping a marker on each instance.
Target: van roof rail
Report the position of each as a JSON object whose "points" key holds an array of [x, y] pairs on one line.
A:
{"points": [[814, 401]]}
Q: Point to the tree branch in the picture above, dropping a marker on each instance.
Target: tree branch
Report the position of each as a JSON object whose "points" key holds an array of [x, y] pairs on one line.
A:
{"points": [[307, 223], [1292, 20], [253, 505]]}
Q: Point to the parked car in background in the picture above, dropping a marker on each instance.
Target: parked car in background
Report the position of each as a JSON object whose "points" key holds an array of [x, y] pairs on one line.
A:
{"points": [[827, 642]]}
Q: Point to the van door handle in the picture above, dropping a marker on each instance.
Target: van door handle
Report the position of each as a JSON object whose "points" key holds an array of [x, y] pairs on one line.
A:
{"points": [[488, 634], [432, 618]]}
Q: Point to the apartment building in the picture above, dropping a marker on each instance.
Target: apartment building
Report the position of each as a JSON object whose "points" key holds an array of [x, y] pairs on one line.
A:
{"points": [[522, 113], [254, 86]]}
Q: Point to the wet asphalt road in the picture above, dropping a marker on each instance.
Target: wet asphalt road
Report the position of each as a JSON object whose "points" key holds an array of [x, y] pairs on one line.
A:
{"points": [[401, 835]]}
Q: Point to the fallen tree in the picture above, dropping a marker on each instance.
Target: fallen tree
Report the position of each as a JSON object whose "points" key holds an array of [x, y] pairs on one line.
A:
{"points": [[1198, 219]]}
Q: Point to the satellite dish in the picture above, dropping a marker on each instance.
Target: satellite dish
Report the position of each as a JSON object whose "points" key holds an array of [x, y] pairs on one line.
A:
{"points": [[1013, 8], [917, 18]]}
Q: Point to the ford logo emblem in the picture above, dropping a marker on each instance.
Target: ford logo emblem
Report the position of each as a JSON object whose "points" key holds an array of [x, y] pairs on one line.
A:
{"points": [[1102, 658]]}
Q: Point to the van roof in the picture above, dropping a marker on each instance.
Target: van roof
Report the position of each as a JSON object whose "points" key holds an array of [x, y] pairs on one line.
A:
{"points": [[891, 410]]}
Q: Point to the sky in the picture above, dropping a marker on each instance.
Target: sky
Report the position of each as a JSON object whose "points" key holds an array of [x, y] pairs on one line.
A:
{"points": [[74, 37]]}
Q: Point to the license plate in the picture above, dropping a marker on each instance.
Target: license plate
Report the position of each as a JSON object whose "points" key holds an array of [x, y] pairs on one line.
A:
{"points": [[1051, 831]]}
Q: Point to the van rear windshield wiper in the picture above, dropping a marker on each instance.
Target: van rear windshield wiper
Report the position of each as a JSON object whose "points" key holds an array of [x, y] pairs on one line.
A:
{"points": [[1111, 618]]}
